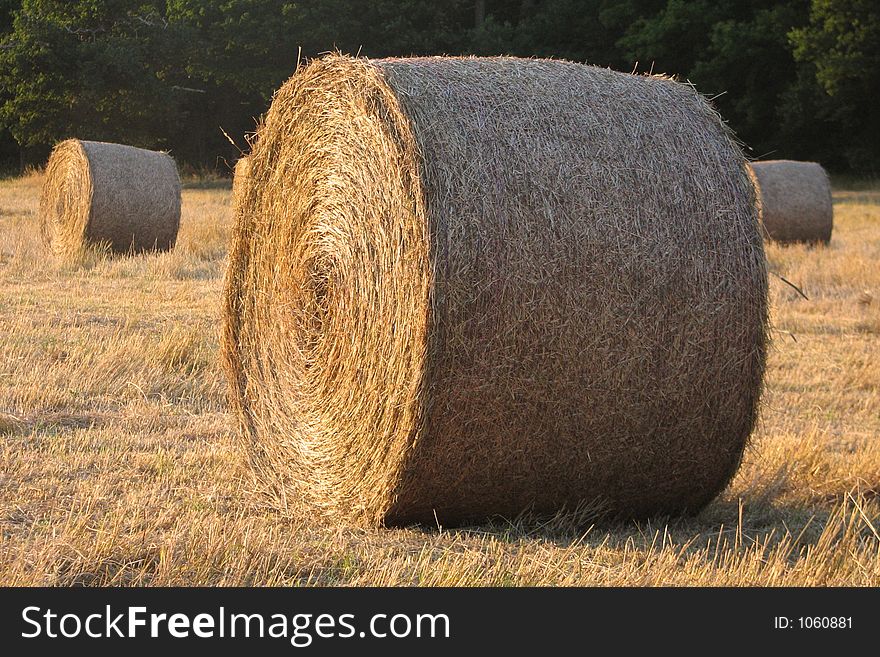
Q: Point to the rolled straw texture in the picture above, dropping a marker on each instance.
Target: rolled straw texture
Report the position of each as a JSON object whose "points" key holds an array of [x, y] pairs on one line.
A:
{"points": [[461, 287], [239, 179], [795, 201], [120, 197]]}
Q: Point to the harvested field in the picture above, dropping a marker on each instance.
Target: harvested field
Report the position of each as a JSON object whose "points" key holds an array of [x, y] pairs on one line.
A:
{"points": [[118, 463]]}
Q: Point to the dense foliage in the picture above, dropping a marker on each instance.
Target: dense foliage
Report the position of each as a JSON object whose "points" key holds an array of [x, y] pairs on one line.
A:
{"points": [[794, 78]]}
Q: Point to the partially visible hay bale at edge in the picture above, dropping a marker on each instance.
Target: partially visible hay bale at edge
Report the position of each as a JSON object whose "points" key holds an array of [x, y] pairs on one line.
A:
{"points": [[444, 302], [97, 193], [795, 201], [239, 179]]}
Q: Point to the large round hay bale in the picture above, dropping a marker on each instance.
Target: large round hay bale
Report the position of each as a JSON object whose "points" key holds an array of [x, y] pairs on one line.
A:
{"points": [[795, 201], [239, 179], [467, 287], [111, 195]]}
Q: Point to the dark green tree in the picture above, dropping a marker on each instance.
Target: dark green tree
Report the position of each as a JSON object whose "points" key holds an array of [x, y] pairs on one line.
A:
{"points": [[578, 30], [794, 78], [93, 68], [676, 37], [9, 150], [841, 48], [749, 61]]}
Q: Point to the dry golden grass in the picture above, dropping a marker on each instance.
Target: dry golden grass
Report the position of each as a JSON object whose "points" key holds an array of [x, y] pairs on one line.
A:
{"points": [[118, 465]]}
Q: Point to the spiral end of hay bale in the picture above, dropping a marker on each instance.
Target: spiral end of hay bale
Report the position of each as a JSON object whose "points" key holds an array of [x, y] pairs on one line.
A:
{"points": [[795, 201], [462, 287], [66, 199], [112, 196]]}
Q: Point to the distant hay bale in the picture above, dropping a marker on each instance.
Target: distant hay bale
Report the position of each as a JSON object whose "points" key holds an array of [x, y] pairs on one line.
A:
{"points": [[95, 193], [795, 201], [461, 287], [239, 179]]}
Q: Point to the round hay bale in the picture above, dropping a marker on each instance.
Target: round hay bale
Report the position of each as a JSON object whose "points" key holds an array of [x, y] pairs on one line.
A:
{"points": [[239, 179], [795, 201], [462, 287], [121, 197]]}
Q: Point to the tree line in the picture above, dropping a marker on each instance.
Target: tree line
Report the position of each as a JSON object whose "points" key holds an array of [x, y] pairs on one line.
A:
{"points": [[793, 78]]}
